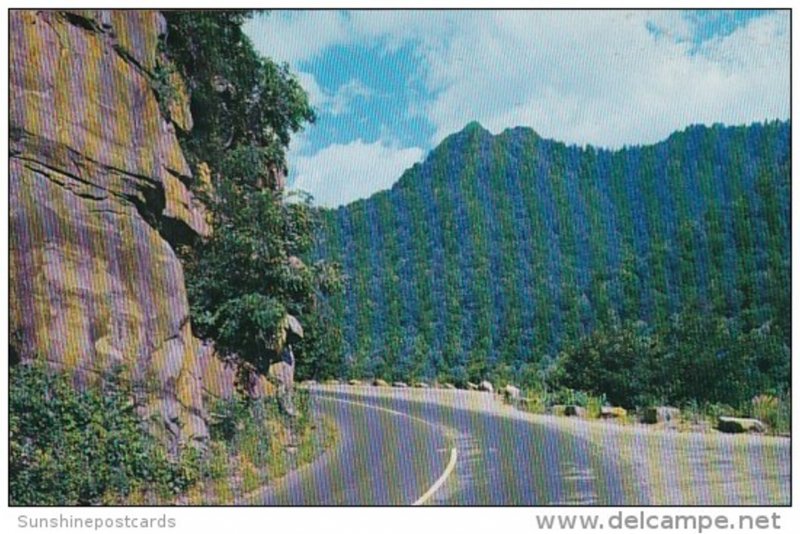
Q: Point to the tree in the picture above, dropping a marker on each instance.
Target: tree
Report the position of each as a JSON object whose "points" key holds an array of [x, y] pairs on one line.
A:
{"points": [[247, 283], [618, 361], [238, 98], [250, 291]]}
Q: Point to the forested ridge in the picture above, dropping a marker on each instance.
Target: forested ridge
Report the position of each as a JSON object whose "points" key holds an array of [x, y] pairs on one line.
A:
{"points": [[508, 256]]}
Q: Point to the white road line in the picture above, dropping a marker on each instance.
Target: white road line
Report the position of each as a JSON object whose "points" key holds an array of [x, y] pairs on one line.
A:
{"points": [[442, 479], [453, 452]]}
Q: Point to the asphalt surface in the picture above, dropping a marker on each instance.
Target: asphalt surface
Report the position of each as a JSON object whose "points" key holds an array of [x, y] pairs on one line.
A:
{"points": [[404, 447], [381, 457], [391, 450]]}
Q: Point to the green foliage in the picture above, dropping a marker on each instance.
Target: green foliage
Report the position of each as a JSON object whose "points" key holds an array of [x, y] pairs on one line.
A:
{"points": [[242, 424], [237, 97], [250, 437], [320, 353], [618, 362], [774, 411], [594, 406], [161, 82], [694, 358], [72, 447], [247, 279]]}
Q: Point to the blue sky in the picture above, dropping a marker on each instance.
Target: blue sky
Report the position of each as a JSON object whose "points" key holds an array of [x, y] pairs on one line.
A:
{"points": [[390, 85]]}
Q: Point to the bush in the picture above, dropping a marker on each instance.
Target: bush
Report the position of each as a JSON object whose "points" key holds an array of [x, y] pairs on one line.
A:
{"points": [[617, 361], [247, 432], [72, 447], [772, 410], [594, 406]]}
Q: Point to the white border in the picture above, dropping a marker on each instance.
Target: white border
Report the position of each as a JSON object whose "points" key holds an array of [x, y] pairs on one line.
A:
{"points": [[344, 520]]}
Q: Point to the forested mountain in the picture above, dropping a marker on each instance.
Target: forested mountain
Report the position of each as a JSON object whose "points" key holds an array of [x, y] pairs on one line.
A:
{"points": [[498, 252]]}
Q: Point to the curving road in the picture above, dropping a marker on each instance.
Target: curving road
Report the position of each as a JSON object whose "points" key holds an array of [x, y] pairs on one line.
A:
{"points": [[435, 447]]}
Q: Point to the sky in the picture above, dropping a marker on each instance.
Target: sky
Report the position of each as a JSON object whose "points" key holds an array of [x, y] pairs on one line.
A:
{"points": [[388, 86]]}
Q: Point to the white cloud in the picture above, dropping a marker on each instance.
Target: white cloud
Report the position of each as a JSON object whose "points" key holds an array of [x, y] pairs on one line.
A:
{"points": [[293, 36], [333, 103], [339, 174], [602, 78], [596, 77], [339, 102]]}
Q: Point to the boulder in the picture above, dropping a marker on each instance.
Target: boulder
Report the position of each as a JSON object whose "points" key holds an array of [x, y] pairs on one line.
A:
{"points": [[572, 410], [282, 374], [511, 393], [355, 382], [472, 387], [332, 382], [612, 412], [399, 384], [568, 410], [448, 385], [421, 385], [486, 386], [380, 383], [738, 425], [659, 414]]}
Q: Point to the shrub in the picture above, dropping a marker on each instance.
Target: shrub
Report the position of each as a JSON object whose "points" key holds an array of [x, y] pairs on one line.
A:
{"points": [[80, 447], [772, 410], [535, 402], [616, 360], [594, 406], [255, 432]]}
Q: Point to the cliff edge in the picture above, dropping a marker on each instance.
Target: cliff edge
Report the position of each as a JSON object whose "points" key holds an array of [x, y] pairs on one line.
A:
{"points": [[98, 187]]}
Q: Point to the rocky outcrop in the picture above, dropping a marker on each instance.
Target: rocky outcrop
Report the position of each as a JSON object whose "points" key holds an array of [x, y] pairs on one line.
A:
{"points": [[98, 189]]}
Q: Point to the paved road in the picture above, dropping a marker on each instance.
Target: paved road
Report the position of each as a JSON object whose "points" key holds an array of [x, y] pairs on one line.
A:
{"points": [[438, 447]]}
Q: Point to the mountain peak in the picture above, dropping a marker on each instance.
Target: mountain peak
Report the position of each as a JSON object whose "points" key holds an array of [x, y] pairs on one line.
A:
{"points": [[475, 127]]}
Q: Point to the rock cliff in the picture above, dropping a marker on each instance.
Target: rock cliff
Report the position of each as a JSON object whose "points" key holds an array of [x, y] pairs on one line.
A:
{"points": [[98, 189]]}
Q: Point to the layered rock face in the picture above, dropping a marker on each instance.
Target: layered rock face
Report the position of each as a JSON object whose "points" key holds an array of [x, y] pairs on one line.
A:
{"points": [[97, 190]]}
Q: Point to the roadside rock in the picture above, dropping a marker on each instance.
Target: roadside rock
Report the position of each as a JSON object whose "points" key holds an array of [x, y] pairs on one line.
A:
{"points": [[448, 385], [421, 385], [659, 414], [510, 393], [399, 384], [472, 387], [355, 382], [568, 410], [380, 383], [282, 374], [486, 386], [612, 412], [738, 425]]}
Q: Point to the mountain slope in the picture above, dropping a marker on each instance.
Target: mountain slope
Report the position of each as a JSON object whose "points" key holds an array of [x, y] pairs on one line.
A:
{"points": [[496, 251]]}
